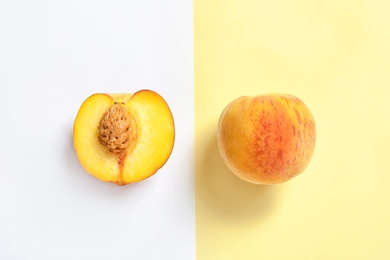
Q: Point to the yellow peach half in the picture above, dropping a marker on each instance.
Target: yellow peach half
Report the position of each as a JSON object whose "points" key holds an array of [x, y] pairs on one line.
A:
{"points": [[123, 138], [266, 139]]}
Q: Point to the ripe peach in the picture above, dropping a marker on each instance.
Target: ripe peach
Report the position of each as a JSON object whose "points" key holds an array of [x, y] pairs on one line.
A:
{"points": [[123, 138], [266, 139]]}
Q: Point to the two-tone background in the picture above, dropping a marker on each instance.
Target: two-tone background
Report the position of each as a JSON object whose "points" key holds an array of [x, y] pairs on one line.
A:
{"points": [[199, 55]]}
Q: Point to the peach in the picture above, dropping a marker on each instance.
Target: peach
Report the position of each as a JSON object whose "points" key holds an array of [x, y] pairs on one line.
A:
{"points": [[123, 138], [266, 139]]}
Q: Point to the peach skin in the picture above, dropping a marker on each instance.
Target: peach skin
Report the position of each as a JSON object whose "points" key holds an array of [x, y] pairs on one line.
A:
{"points": [[266, 139]]}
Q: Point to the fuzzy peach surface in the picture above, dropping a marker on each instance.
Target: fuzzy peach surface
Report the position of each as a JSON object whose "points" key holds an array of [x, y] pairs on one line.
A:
{"points": [[266, 139]]}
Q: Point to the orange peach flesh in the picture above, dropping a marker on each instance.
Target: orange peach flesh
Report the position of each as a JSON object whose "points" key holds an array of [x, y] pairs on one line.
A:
{"points": [[151, 146], [266, 139]]}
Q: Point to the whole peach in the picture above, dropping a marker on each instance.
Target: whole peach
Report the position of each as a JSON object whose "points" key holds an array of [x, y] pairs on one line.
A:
{"points": [[266, 139]]}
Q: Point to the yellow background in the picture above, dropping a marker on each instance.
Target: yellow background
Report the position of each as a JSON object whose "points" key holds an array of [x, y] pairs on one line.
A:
{"points": [[335, 56]]}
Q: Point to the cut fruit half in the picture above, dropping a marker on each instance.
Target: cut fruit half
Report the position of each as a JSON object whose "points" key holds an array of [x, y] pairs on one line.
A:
{"points": [[124, 138]]}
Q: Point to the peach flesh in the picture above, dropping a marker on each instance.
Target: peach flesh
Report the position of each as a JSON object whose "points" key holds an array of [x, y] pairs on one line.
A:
{"points": [[151, 135]]}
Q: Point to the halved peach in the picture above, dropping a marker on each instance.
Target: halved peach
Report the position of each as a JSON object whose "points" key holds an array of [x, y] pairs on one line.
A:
{"points": [[123, 138]]}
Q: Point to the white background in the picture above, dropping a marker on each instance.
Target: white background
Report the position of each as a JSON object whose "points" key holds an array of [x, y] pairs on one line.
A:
{"points": [[53, 55]]}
